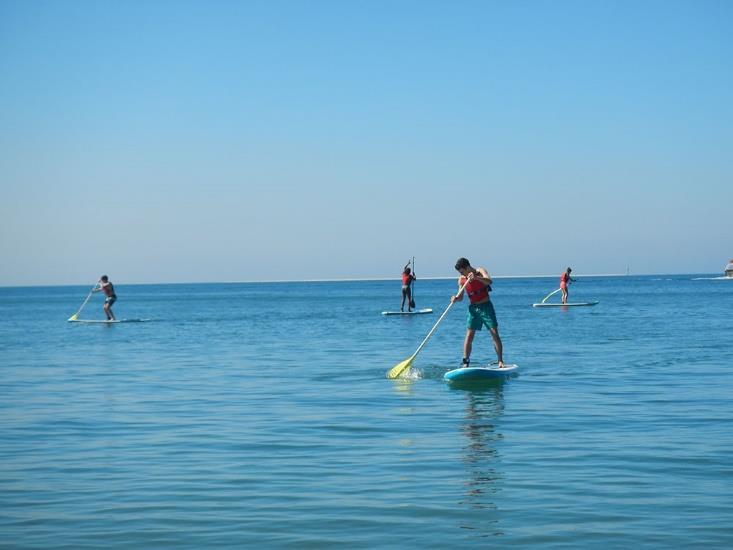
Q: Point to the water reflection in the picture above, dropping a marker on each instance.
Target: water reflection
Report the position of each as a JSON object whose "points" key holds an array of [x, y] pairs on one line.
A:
{"points": [[403, 386], [480, 456]]}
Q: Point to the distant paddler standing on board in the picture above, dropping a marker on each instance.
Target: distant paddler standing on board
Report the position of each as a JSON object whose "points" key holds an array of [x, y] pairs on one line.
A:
{"points": [[480, 311], [407, 278], [106, 286], [565, 280]]}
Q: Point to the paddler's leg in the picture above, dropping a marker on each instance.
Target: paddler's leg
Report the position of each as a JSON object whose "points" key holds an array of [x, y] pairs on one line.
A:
{"points": [[108, 309], [498, 347], [467, 347]]}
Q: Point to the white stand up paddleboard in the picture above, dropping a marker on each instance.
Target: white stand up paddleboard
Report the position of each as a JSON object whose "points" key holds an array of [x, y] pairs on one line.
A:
{"points": [[569, 304], [545, 303], [108, 322], [480, 373], [414, 312]]}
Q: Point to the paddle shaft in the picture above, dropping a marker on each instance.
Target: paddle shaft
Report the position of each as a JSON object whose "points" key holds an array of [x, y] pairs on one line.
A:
{"points": [[435, 326], [85, 302], [412, 294], [550, 294]]}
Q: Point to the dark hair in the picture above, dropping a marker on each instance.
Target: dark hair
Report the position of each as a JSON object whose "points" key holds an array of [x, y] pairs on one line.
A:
{"points": [[569, 270], [104, 278], [407, 270], [462, 263]]}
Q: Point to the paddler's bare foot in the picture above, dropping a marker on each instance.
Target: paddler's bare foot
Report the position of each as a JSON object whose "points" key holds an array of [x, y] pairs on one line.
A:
{"points": [[502, 365]]}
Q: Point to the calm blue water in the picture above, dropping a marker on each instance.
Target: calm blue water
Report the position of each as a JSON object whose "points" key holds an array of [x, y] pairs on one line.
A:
{"points": [[259, 415]]}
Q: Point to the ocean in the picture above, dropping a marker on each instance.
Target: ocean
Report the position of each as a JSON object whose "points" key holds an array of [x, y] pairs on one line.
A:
{"points": [[259, 415]]}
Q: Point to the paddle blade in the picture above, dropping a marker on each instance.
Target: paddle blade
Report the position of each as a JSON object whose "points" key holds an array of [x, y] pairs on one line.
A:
{"points": [[73, 317], [412, 303], [399, 368]]}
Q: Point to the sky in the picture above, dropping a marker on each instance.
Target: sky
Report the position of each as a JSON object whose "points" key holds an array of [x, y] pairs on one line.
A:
{"points": [[192, 141]]}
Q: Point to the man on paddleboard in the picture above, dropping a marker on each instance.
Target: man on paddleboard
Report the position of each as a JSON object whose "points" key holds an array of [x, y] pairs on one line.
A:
{"points": [[105, 285], [407, 278], [480, 310], [565, 280]]}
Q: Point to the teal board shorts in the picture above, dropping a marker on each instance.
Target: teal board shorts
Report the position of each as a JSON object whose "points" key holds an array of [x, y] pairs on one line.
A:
{"points": [[481, 314]]}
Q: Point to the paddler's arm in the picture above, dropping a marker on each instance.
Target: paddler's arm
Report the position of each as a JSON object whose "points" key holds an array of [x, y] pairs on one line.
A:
{"points": [[458, 297], [483, 276]]}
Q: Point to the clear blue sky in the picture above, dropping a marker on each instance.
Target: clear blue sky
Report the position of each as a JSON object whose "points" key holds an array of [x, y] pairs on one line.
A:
{"points": [[171, 141]]}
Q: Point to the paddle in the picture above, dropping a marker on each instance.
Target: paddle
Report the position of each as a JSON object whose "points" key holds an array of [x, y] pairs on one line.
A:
{"points": [[550, 294], [412, 294], [73, 317], [399, 368]]}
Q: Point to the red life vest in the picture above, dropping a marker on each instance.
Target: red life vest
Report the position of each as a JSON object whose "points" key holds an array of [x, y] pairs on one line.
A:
{"points": [[564, 279], [406, 278], [476, 290]]}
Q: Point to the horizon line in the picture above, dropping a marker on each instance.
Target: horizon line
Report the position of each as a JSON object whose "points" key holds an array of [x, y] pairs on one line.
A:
{"points": [[361, 279]]}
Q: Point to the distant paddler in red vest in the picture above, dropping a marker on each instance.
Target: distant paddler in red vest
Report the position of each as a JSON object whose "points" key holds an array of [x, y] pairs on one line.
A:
{"points": [[480, 310], [106, 286], [407, 278], [565, 280]]}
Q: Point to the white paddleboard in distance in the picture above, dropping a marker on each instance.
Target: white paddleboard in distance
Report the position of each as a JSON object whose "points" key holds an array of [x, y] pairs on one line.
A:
{"points": [[479, 373], [108, 322], [414, 312], [569, 304]]}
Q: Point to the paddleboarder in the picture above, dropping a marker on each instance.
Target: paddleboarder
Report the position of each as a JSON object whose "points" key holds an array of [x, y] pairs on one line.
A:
{"points": [[565, 280], [106, 286], [480, 310], [407, 278]]}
